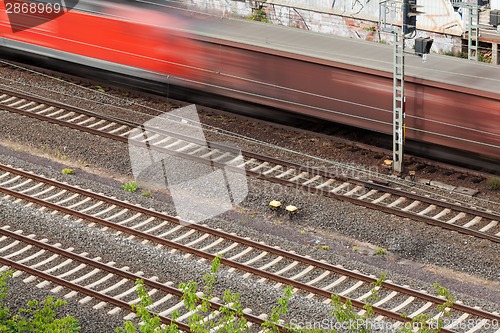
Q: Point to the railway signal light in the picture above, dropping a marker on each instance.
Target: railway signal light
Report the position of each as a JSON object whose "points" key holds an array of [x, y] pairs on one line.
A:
{"points": [[423, 45], [410, 16]]}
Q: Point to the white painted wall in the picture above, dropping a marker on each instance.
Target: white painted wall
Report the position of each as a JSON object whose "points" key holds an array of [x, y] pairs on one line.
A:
{"points": [[356, 19], [439, 14]]}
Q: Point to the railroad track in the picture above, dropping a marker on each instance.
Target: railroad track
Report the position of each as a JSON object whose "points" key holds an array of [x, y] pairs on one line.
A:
{"points": [[266, 263], [98, 284], [368, 193]]}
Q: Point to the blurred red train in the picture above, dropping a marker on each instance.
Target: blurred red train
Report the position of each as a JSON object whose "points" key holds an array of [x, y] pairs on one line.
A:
{"points": [[120, 36], [145, 41]]}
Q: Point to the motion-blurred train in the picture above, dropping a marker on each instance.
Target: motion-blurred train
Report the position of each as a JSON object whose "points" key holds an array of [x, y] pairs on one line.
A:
{"points": [[450, 102]]}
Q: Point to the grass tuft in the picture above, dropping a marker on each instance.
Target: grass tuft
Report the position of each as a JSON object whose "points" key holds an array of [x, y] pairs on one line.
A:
{"points": [[494, 183], [67, 171], [131, 186]]}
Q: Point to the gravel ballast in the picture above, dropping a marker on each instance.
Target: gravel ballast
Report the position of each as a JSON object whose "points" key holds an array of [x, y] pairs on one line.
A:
{"points": [[418, 255]]}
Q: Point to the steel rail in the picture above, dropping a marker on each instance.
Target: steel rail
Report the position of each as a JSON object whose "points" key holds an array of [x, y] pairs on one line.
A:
{"points": [[221, 234], [119, 272], [384, 312], [203, 254], [249, 154], [369, 185], [83, 290], [383, 188]]}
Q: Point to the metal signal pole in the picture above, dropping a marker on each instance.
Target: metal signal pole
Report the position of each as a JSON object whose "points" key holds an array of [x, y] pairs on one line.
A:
{"points": [[422, 48], [398, 93], [388, 7], [409, 19]]}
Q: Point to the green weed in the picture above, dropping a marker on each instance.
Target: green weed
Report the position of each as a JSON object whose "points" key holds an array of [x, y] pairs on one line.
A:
{"points": [[131, 186], [67, 171], [494, 183]]}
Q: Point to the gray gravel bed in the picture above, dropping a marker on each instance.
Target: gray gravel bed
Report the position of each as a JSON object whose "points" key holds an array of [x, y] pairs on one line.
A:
{"points": [[263, 227], [325, 229], [153, 261], [122, 105], [274, 188], [63, 143], [91, 321], [406, 238], [87, 97]]}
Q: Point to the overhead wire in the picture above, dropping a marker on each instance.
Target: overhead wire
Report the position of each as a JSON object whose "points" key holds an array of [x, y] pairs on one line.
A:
{"points": [[331, 52], [333, 24], [216, 130], [306, 93], [340, 113]]}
